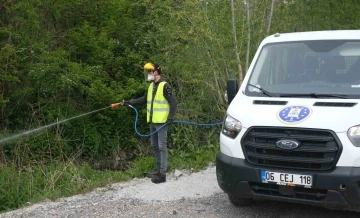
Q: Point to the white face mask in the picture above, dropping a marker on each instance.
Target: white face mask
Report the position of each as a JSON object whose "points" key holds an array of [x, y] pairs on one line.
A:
{"points": [[151, 77]]}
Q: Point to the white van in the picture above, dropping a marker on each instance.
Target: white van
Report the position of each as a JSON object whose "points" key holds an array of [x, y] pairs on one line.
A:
{"points": [[292, 130]]}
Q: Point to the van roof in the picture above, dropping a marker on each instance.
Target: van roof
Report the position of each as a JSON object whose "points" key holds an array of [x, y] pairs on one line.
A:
{"points": [[314, 35]]}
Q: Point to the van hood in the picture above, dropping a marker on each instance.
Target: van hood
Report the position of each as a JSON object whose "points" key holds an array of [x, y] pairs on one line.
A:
{"points": [[330, 114]]}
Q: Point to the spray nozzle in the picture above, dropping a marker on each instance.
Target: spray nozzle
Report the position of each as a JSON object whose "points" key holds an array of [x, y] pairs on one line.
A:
{"points": [[114, 105]]}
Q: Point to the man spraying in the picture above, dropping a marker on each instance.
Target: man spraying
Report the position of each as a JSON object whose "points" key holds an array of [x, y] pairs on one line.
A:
{"points": [[161, 108]]}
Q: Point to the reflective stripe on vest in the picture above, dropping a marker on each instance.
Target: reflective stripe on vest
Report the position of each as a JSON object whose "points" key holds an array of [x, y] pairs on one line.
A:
{"points": [[160, 106]]}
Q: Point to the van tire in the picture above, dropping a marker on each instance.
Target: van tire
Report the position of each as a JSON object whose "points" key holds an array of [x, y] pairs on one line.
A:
{"points": [[240, 202]]}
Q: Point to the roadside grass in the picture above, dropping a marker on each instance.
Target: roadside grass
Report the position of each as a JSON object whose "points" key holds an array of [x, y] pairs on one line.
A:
{"points": [[32, 184]]}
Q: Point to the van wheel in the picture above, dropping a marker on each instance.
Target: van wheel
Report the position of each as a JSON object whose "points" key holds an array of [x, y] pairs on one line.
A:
{"points": [[240, 202]]}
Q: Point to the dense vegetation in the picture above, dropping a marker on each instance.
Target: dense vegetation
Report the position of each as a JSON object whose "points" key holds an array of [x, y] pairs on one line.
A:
{"points": [[60, 59]]}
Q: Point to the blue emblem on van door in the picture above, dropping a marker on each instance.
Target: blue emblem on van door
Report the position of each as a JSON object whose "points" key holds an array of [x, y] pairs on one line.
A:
{"points": [[294, 114]]}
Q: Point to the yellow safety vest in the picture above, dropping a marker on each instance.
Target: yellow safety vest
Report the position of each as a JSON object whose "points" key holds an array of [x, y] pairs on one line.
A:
{"points": [[159, 106]]}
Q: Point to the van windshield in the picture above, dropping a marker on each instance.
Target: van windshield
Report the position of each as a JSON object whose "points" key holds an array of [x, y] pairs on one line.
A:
{"points": [[309, 69]]}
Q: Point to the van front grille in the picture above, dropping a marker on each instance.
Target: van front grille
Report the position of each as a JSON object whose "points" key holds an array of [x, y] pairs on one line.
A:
{"points": [[318, 150], [292, 192]]}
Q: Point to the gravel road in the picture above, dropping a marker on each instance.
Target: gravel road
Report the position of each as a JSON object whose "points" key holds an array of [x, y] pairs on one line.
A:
{"points": [[190, 195]]}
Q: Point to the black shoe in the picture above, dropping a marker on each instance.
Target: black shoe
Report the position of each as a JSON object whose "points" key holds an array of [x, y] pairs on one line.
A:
{"points": [[158, 178]]}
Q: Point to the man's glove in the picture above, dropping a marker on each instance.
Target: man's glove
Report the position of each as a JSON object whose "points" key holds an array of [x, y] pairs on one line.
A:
{"points": [[169, 121], [129, 102]]}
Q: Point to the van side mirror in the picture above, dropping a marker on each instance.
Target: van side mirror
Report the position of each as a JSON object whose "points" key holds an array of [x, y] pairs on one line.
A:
{"points": [[231, 90]]}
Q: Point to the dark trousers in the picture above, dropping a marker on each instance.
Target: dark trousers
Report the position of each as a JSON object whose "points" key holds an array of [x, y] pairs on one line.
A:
{"points": [[159, 144]]}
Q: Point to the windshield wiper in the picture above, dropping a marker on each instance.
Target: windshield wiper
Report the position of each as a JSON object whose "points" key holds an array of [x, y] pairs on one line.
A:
{"points": [[314, 95], [263, 91]]}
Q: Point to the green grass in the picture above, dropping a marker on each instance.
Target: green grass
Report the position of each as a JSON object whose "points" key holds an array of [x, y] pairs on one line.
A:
{"points": [[32, 184]]}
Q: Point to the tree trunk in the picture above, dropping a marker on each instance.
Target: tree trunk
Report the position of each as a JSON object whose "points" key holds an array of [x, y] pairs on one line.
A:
{"points": [[235, 42], [249, 35], [270, 17]]}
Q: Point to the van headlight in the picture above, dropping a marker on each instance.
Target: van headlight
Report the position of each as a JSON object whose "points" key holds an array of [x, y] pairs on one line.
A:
{"points": [[231, 127], [354, 135]]}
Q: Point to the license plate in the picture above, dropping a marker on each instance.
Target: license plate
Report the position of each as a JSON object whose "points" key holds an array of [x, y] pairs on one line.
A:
{"points": [[287, 179]]}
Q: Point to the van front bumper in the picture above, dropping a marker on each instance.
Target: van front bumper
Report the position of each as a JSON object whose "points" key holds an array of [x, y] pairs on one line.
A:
{"points": [[336, 189]]}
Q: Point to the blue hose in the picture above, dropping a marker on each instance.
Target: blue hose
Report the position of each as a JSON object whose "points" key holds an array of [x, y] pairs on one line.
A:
{"points": [[175, 121]]}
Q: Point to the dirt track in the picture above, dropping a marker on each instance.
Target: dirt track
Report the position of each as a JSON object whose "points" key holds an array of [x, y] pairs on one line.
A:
{"points": [[191, 195]]}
